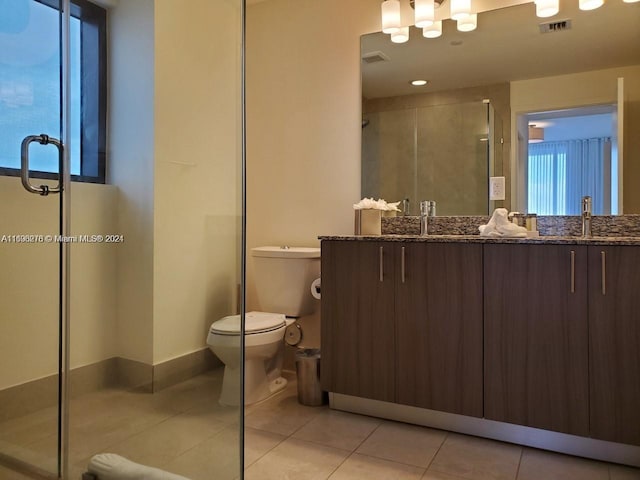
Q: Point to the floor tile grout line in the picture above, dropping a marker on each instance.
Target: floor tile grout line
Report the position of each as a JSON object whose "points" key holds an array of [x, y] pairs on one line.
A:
{"points": [[353, 452], [392, 461], [341, 463], [446, 436], [519, 463], [284, 439]]}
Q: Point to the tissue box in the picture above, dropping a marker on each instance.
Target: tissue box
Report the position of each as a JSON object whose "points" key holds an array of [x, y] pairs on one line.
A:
{"points": [[368, 222]]}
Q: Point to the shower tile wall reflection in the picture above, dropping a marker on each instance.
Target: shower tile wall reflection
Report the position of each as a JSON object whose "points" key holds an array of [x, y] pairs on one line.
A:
{"points": [[452, 152], [436, 146], [388, 150], [438, 152]]}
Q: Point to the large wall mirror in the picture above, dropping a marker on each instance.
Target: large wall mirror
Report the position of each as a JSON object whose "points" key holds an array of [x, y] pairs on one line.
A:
{"points": [[551, 104]]}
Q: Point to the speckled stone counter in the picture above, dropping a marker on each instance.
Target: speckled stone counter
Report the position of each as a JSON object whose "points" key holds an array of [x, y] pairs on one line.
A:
{"points": [[548, 239], [562, 226]]}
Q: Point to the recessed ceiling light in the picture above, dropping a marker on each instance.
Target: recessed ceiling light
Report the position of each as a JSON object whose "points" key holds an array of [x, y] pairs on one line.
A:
{"points": [[418, 83]]}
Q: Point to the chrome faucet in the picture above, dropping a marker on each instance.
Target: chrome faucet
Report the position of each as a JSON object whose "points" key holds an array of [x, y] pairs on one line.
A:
{"points": [[427, 209], [405, 207], [586, 216]]}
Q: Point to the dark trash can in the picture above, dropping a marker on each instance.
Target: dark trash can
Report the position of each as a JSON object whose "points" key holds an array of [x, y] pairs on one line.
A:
{"points": [[308, 371]]}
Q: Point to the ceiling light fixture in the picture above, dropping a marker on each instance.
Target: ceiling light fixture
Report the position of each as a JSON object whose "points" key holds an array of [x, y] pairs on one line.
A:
{"points": [[401, 36], [468, 22], [536, 134], [418, 83], [460, 9], [424, 18], [391, 16], [547, 8], [425, 13], [433, 31], [590, 4]]}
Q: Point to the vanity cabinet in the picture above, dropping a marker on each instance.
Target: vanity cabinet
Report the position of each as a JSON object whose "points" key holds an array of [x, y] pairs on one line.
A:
{"points": [[402, 322], [358, 325], [614, 343], [439, 327], [539, 335], [536, 336], [562, 325]]}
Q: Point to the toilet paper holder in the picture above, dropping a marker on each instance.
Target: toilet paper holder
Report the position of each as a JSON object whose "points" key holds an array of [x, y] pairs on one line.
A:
{"points": [[315, 289]]}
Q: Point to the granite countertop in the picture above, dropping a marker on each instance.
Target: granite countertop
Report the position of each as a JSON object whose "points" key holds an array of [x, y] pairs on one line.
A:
{"points": [[541, 240]]}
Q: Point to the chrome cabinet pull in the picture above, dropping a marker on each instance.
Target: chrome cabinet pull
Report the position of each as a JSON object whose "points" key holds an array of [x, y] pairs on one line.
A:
{"points": [[573, 271], [43, 139], [381, 264], [603, 259], [402, 265]]}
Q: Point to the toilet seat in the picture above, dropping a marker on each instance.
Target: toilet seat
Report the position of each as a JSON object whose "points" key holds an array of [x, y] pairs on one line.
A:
{"points": [[255, 323]]}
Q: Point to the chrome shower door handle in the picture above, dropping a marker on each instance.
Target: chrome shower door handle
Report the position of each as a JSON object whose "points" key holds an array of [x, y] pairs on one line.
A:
{"points": [[43, 139]]}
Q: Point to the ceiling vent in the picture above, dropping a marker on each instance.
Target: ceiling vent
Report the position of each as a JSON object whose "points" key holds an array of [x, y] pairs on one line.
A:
{"points": [[374, 57], [557, 26]]}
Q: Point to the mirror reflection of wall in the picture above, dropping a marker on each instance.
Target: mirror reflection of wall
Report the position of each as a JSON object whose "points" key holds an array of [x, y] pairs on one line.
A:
{"points": [[558, 70]]}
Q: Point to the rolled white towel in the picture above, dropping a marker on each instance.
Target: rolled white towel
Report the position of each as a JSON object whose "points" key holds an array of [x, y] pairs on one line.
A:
{"points": [[500, 226], [109, 466]]}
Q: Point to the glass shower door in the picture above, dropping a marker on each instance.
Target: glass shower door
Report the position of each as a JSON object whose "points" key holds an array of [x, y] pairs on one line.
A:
{"points": [[31, 157]]}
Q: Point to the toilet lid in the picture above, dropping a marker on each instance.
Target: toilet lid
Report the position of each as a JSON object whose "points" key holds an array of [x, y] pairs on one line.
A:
{"points": [[255, 322]]}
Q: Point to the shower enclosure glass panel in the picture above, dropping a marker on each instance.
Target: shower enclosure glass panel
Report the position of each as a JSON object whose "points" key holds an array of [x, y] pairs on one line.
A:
{"points": [[453, 157], [145, 385], [30, 250], [438, 152]]}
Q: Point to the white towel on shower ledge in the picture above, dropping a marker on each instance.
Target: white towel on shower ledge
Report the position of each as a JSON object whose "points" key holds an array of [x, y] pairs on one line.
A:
{"points": [[500, 226], [109, 466]]}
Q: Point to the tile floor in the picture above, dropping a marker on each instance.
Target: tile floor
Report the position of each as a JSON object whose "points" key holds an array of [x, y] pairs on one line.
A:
{"points": [[183, 430]]}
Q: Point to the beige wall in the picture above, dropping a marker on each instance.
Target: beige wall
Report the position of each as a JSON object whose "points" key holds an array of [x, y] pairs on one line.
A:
{"points": [[197, 148], [29, 281], [130, 157], [583, 89], [303, 120]]}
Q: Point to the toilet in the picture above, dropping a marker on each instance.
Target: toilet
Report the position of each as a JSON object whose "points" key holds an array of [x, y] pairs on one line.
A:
{"points": [[283, 277]]}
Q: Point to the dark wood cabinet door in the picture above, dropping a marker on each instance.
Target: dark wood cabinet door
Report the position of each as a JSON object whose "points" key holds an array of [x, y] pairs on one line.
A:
{"points": [[614, 343], [536, 336], [439, 326], [358, 354]]}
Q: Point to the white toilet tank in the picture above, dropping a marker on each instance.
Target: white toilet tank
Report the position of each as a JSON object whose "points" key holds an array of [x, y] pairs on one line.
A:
{"points": [[283, 278]]}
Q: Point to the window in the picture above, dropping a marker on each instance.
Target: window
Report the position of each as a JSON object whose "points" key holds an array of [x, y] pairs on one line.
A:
{"points": [[560, 173], [30, 101]]}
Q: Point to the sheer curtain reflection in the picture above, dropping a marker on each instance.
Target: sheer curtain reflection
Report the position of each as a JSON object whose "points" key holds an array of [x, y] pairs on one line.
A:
{"points": [[562, 172]]}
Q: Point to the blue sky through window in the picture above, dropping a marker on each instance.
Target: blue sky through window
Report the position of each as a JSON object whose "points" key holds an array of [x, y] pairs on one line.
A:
{"points": [[30, 83]]}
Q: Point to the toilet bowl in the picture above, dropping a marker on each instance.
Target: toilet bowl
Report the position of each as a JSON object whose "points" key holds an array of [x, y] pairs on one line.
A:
{"points": [[263, 355], [283, 280]]}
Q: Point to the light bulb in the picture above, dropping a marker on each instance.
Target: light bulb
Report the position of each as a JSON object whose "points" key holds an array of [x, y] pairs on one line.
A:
{"points": [[401, 36], [460, 8], [433, 31], [468, 22], [390, 16], [425, 13], [590, 4], [547, 8]]}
